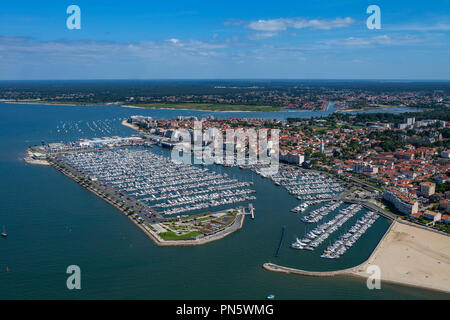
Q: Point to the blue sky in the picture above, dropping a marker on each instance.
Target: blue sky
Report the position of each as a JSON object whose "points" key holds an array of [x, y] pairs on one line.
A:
{"points": [[229, 39]]}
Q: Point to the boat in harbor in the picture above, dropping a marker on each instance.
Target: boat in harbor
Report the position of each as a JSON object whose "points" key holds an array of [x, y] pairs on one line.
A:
{"points": [[4, 234], [318, 235], [347, 240]]}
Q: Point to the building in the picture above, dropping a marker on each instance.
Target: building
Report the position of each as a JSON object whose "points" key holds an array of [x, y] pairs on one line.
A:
{"points": [[417, 215], [406, 155], [433, 216], [409, 124], [363, 167], [445, 205], [427, 188], [446, 219], [401, 202], [39, 156], [297, 159], [445, 154]]}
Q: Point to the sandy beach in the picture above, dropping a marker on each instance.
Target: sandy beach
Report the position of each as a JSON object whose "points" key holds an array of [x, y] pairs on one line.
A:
{"points": [[129, 125], [412, 256]]}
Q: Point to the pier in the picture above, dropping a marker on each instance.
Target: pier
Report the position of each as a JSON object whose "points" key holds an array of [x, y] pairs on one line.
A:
{"points": [[252, 210]]}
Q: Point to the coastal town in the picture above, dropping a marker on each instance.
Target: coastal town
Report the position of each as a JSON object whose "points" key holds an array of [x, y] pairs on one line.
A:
{"points": [[407, 174]]}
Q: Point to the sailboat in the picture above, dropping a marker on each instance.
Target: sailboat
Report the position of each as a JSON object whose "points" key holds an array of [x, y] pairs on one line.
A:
{"points": [[4, 235]]}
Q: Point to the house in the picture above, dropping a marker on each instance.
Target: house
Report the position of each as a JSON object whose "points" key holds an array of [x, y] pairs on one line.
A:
{"points": [[427, 188], [445, 205], [416, 215], [431, 215], [446, 219], [363, 167], [441, 179]]}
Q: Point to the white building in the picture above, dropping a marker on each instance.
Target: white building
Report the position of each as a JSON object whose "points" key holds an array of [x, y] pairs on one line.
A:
{"points": [[401, 202], [297, 159]]}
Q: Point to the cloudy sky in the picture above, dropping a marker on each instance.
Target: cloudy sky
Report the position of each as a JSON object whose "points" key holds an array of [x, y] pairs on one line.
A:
{"points": [[169, 39]]}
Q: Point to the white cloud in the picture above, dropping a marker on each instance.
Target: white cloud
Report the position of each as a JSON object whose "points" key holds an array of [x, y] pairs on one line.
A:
{"points": [[282, 24], [262, 35], [435, 27], [14, 46], [173, 40], [375, 41]]}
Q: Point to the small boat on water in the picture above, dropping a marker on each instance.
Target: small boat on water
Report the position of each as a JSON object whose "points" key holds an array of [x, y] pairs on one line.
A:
{"points": [[4, 234], [271, 297]]}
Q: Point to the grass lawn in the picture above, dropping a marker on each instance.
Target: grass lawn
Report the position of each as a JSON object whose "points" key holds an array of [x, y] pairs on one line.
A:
{"points": [[173, 236]]}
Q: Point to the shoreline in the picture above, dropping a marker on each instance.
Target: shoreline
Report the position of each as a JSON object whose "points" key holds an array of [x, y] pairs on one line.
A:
{"points": [[368, 109], [129, 125], [47, 104], [181, 109], [58, 104], [221, 111], [420, 267]]}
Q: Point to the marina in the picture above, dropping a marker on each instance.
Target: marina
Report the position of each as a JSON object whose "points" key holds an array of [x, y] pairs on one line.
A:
{"points": [[307, 185], [319, 234], [322, 212], [167, 186], [346, 241]]}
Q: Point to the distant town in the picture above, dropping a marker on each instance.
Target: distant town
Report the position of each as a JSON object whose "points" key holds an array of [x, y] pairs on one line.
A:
{"points": [[270, 95]]}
